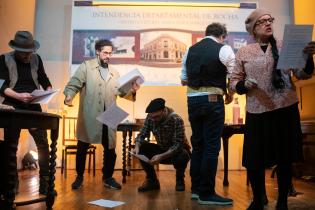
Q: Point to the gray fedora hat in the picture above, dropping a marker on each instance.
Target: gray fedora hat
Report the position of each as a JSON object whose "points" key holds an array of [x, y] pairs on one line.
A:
{"points": [[24, 42]]}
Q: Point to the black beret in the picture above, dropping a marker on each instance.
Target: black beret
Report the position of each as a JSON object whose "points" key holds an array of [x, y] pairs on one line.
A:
{"points": [[155, 105]]}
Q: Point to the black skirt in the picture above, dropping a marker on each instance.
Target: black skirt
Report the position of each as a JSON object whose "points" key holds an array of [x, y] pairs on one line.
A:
{"points": [[272, 137]]}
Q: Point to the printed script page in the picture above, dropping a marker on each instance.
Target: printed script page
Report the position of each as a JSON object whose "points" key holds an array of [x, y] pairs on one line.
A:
{"points": [[112, 116], [295, 39]]}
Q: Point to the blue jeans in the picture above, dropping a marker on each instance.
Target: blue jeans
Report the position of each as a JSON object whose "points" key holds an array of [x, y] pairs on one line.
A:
{"points": [[207, 121]]}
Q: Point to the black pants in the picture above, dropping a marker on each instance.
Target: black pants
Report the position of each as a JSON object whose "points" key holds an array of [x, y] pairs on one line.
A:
{"points": [[41, 141], [257, 181], [178, 160], [109, 156], [2, 160]]}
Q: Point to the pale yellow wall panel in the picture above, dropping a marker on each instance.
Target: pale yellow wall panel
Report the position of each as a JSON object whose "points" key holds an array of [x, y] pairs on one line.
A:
{"points": [[15, 15], [304, 13]]}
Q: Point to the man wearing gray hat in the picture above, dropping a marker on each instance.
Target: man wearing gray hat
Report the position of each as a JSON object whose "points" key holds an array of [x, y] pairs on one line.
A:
{"points": [[22, 71], [171, 148]]}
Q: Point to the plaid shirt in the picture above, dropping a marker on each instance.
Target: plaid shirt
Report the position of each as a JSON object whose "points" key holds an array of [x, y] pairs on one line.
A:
{"points": [[169, 134]]}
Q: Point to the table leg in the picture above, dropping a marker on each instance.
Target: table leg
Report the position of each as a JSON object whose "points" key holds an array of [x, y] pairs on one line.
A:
{"points": [[226, 160], [124, 170], [11, 168], [129, 155], [50, 198]]}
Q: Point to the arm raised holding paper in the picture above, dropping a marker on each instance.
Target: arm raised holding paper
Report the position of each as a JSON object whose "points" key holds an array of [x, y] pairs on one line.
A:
{"points": [[97, 83], [272, 113]]}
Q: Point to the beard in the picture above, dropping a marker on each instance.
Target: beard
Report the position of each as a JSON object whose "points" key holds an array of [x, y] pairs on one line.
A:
{"points": [[103, 63]]}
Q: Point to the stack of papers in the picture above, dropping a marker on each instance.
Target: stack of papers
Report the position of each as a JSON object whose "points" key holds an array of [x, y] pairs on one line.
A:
{"points": [[125, 82], [141, 157]]}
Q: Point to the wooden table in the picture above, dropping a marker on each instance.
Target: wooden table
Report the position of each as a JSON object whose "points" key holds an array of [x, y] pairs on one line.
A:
{"points": [[127, 129], [306, 168], [308, 129], [25, 120], [228, 131]]}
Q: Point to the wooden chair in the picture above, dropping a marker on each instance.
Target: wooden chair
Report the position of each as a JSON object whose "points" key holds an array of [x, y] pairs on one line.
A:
{"points": [[69, 143]]}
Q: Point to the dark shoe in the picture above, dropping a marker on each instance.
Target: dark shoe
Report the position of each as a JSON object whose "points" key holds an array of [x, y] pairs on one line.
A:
{"points": [[214, 200], [254, 206], [77, 183], [111, 183], [292, 191], [149, 185], [194, 195], [180, 185]]}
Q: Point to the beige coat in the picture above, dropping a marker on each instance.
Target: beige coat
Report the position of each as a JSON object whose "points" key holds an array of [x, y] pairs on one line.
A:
{"points": [[95, 93]]}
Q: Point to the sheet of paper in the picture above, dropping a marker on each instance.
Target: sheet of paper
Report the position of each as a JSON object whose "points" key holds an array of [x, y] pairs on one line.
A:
{"points": [[125, 82], [1, 82], [42, 96], [106, 203], [295, 39], [112, 116], [141, 157]]}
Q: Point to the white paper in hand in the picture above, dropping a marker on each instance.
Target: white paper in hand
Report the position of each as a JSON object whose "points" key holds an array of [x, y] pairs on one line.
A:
{"points": [[43, 96], [1, 82], [295, 39], [112, 116], [126, 81], [141, 157]]}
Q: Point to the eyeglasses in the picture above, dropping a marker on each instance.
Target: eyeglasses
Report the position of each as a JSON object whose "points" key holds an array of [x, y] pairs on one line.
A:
{"points": [[107, 53], [265, 21]]}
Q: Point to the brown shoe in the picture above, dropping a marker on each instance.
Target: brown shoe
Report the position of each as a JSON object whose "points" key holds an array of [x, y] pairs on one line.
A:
{"points": [[149, 185]]}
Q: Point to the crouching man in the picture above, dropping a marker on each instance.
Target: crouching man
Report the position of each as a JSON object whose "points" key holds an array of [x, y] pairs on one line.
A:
{"points": [[171, 148]]}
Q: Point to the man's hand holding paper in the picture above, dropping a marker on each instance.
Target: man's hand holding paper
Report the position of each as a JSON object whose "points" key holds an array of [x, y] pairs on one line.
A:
{"points": [[131, 81]]}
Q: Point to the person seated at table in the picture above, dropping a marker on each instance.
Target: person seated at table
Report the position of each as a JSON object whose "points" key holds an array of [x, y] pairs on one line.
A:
{"points": [[172, 146]]}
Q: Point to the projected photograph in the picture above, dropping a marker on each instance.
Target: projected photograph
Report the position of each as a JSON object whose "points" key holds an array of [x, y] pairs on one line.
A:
{"points": [[126, 45], [235, 39], [239, 39], [163, 48]]}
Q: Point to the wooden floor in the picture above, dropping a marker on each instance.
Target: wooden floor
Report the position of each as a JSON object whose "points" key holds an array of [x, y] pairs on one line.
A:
{"points": [[165, 199]]}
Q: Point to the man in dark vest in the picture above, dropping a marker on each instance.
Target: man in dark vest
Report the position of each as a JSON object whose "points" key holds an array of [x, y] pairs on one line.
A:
{"points": [[22, 71], [205, 68]]}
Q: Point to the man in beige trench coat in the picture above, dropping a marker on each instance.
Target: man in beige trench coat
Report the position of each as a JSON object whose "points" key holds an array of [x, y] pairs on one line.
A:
{"points": [[96, 82]]}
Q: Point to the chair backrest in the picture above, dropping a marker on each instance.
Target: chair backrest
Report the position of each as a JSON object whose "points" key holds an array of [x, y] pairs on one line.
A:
{"points": [[69, 130]]}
